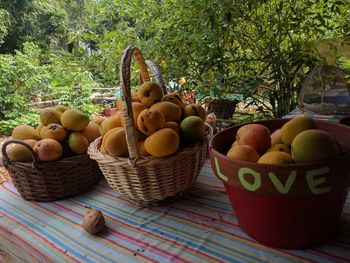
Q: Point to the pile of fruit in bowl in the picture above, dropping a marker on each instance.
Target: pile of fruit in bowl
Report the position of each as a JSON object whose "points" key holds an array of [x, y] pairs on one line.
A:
{"points": [[297, 141], [62, 132], [286, 179]]}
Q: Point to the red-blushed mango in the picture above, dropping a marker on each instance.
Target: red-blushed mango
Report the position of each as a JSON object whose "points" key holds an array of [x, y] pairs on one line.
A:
{"points": [[162, 143], [243, 153], [48, 150], [254, 135], [276, 137], [276, 157], [92, 131]]}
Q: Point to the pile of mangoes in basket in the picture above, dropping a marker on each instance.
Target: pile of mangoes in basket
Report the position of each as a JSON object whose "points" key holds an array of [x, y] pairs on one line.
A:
{"points": [[163, 124], [62, 132]]}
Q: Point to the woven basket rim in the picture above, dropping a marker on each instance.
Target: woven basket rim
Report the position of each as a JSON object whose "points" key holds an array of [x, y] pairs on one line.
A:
{"points": [[142, 161], [36, 162]]}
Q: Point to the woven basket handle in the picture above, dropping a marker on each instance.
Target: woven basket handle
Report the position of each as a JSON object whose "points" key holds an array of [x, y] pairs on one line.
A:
{"points": [[125, 87], [157, 75], [7, 143]]}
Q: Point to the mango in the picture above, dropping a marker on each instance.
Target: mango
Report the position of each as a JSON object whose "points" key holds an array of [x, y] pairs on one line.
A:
{"points": [[276, 137], [314, 145], [134, 98], [171, 111], [255, 135], [74, 120], [92, 131], [20, 153], [195, 110], [98, 119], [149, 93], [39, 127], [150, 120], [234, 144], [137, 107], [293, 127], [78, 143], [175, 98], [110, 123], [279, 147], [61, 108], [48, 150], [24, 132], [192, 129], [42, 132], [243, 153], [276, 157], [162, 143], [114, 142], [50, 115], [173, 125], [54, 131]]}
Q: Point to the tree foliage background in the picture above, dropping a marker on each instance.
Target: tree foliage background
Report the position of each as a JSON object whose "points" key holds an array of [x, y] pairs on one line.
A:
{"points": [[261, 50]]}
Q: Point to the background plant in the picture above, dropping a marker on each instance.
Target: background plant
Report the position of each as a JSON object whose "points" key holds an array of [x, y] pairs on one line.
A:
{"points": [[258, 51]]}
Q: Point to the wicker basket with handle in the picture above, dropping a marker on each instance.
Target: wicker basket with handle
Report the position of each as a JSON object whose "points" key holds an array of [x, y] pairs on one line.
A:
{"points": [[147, 181], [49, 181]]}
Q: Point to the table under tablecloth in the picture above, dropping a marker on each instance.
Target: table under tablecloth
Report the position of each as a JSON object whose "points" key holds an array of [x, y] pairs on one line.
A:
{"points": [[199, 227]]}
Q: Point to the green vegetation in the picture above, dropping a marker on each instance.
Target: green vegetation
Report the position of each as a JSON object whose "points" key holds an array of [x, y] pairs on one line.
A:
{"points": [[257, 50]]}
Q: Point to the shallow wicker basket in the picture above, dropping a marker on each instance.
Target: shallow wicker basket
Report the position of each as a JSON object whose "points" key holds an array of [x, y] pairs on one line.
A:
{"points": [[147, 181], [49, 181]]}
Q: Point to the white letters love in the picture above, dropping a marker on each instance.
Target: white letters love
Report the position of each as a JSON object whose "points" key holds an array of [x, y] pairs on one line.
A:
{"points": [[314, 179]]}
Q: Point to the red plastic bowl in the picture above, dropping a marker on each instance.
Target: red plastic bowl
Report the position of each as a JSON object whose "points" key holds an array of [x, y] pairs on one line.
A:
{"points": [[288, 206], [345, 120]]}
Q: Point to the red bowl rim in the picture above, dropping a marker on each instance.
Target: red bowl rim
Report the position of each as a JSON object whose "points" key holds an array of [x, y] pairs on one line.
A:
{"points": [[345, 154]]}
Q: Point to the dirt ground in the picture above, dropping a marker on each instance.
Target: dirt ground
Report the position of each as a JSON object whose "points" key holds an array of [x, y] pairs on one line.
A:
{"points": [[4, 176]]}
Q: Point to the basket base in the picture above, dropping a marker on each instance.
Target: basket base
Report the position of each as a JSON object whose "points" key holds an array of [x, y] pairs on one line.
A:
{"points": [[165, 201]]}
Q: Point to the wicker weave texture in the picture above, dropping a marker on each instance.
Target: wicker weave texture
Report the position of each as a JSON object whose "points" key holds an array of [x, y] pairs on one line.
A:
{"points": [[49, 181], [147, 181], [150, 180]]}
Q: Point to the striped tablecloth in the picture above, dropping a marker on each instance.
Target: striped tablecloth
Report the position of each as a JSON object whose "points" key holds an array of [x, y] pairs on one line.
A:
{"points": [[200, 227]]}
